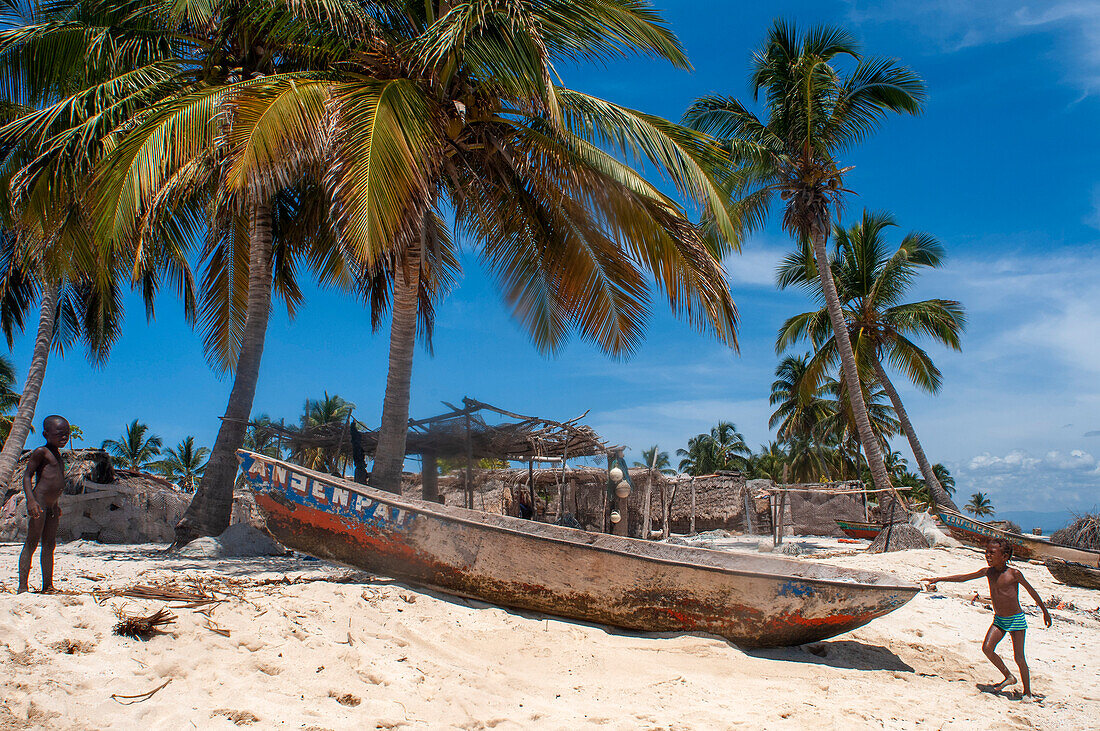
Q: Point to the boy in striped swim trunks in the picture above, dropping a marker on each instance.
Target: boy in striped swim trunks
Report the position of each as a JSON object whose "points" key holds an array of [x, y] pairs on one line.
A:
{"points": [[1004, 590]]}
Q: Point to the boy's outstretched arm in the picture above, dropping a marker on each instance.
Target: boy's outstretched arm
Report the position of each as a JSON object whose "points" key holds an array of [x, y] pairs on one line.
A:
{"points": [[1034, 595], [956, 577]]}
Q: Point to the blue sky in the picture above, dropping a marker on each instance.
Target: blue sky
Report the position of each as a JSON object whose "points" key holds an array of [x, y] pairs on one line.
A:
{"points": [[1001, 167]]}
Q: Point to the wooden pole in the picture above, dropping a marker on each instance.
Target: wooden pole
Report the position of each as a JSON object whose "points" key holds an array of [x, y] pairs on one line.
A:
{"points": [[469, 466], [693, 505], [429, 477], [531, 486], [342, 464], [647, 509]]}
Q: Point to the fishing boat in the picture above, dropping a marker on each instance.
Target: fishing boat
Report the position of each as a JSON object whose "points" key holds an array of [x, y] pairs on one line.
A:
{"points": [[1074, 574], [855, 529], [755, 601], [977, 533]]}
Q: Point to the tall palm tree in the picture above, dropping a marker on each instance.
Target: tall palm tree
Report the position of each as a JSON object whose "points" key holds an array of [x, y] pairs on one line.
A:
{"points": [[769, 463], [172, 115], [980, 505], [700, 457], [546, 182], [134, 450], [815, 110], [872, 281], [184, 463]]}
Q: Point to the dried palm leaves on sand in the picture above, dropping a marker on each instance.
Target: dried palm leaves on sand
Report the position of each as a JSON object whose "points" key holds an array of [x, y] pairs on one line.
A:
{"points": [[142, 627]]}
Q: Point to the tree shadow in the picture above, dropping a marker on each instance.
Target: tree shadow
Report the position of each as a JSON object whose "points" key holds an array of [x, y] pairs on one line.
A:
{"points": [[847, 654]]}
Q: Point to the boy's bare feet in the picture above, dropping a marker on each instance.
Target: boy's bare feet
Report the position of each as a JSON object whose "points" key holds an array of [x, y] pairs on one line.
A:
{"points": [[48, 590], [22, 590], [1010, 680]]}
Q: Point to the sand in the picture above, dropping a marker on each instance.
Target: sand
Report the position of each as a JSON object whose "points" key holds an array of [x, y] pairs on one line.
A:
{"points": [[357, 651]]}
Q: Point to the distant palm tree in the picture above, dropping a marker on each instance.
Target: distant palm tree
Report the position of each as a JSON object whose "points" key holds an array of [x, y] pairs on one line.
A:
{"points": [[723, 448], [980, 505], [9, 397], [261, 437], [815, 112], [799, 409], [872, 281], [184, 464], [652, 459], [768, 464], [317, 414], [134, 451]]}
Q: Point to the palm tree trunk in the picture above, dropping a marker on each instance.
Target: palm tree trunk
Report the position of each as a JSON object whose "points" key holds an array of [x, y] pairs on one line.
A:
{"points": [[939, 495], [24, 415], [210, 509], [848, 363], [898, 534], [389, 458]]}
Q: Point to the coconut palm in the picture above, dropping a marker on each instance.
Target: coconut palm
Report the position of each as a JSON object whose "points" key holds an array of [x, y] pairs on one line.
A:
{"points": [[700, 457], [799, 409], [944, 477], [134, 450], [815, 111], [980, 505], [184, 463], [654, 459], [261, 437], [9, 397], [331, 412], [872, 281], [769, 464], [723, 448], [545, 181]]}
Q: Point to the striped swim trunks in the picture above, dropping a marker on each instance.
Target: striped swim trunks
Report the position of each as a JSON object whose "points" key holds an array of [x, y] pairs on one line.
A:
{"points": [[1010, 624]]}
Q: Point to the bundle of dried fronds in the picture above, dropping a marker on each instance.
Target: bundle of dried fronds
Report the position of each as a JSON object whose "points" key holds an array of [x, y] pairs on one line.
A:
{"points": [[1082, 533], [142, 627], [196, 595]]}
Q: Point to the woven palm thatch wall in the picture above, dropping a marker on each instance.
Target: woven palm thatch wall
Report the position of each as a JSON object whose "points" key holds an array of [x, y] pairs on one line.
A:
{"points": [[720, 500]]}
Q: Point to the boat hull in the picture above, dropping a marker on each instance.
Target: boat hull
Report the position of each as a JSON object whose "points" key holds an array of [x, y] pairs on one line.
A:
{"points": [[977, 533], [753, 601], [853, 529], [1074, 574]]}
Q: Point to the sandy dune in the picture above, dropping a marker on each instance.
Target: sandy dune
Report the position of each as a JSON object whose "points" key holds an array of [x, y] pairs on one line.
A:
{"points": [[365, 652]]}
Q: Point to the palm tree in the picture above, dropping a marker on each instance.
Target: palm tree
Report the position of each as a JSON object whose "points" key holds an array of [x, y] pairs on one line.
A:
{"points": [[182, 106], [332, 412], [544, 180], [799, 410], [9, 397], [815, 111], [944, 477], [723, 448], [184, 463], [134, 450], [979, 505], [872, 282], [261, 437], [769, 464], [654, 459]]}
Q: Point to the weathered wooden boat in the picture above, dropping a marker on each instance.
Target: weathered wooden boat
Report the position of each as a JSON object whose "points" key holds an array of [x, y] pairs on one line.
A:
{"points": [[855, 529], [756, 601], [1074, 574], [977, 533]]}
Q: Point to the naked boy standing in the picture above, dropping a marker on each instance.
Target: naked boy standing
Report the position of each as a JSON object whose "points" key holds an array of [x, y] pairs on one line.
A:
{"points": [[43, 484]]}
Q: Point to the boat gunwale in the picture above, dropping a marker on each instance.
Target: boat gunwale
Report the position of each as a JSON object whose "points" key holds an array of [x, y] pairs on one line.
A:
{"points": [[433, 510], [1031, 541]]}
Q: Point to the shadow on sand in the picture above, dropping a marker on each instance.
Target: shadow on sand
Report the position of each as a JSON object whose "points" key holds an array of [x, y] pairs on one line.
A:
{"points": [[847, 654]]}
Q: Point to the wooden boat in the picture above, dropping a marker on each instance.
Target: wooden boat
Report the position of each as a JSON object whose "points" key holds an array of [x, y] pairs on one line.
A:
{"points": [[1074, 574], [756, 601], [855, 529], [977, 533]]}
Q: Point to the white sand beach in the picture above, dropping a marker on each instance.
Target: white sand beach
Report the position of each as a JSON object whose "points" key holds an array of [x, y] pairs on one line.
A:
{"points": [[356, 651]]}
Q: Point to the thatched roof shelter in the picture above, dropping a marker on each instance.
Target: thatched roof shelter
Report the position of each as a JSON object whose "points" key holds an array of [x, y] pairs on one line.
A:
{"points": [[1082, 533]]}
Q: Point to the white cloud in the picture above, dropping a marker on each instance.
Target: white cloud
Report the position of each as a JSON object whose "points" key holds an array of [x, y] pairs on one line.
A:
{"points": [[1074, 25], [755, 265]]}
